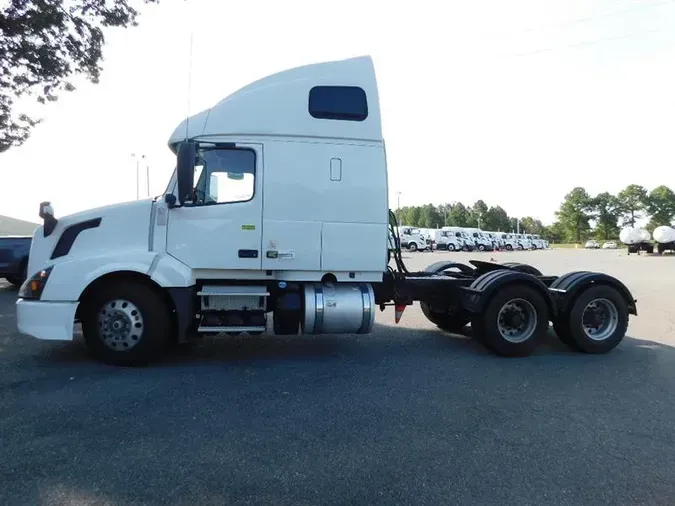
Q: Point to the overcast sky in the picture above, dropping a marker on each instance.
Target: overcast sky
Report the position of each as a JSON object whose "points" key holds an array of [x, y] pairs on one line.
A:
{"points": [[513, 102]]}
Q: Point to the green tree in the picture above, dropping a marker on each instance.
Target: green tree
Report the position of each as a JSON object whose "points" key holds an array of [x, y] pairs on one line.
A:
{"points": [[555, 233], [458, 215], [414, 217], [477, 214], [496, 219], [431, 217], [661, 206], [633, 201], [43, 45], [607, 212], [574, 214], [530, 225]]}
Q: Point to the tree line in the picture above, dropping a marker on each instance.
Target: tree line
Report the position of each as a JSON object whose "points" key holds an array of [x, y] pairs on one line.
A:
{"points": [[581, 216]]}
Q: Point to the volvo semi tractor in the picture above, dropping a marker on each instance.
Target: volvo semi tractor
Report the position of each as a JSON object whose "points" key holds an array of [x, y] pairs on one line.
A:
{"points": [[278, 210], [411, 238], [447, 240]]}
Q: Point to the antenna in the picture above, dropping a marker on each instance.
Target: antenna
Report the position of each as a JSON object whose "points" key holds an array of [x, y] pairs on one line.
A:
{"points": [[187, 119]]}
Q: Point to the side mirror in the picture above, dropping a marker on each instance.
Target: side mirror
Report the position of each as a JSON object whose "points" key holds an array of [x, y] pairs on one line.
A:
{"points": [[46, 210], [47, 215], [185, 169]]}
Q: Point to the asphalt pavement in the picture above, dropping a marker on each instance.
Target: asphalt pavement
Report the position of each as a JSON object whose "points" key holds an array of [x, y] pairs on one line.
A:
{"points": [[406, 415]]}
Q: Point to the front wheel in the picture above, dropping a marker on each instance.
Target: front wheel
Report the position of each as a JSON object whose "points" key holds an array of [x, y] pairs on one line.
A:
{"points": [[412, 246], [451, 247], [509, 247], [481, 247], [126, 323]]}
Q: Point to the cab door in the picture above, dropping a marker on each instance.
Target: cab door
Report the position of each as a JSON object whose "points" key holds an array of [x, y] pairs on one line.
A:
{"points": [[222, 229]]}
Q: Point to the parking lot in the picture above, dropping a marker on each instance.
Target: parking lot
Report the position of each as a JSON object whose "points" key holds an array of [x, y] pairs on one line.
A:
{"points": [[408, 414]]}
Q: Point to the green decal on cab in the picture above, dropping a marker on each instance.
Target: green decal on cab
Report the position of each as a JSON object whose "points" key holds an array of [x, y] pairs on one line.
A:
{"points": [[248, 227]]}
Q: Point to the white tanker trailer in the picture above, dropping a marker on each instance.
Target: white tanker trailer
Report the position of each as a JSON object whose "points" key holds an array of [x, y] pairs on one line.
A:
{"points": [[665, 238], [637, 240]]}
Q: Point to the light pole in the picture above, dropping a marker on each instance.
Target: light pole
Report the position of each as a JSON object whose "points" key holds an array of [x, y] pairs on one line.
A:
{"points": [[147, 177], [138, 168], [398, 200]]}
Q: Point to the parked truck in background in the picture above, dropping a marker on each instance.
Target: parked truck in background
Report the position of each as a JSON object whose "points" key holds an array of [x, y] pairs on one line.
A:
{"points": [[480, 239], [412, 238], [664, 236], [14, 251], [447, 240], [510, 242], [208, 258]]}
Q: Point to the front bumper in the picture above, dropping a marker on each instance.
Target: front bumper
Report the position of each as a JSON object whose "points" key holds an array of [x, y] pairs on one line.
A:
{"points": [[53, 321]]}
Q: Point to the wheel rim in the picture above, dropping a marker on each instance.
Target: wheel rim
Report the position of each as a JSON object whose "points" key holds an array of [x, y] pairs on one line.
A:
{"points": [[481, 247], [451, 247], [121, 324], [413, 246], [600, 319], [517, 320]]}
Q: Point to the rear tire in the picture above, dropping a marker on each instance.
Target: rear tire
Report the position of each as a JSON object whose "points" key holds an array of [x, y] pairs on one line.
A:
{"points": [[126, 323], [514, 321], [596, 322], [481, 247], [453, 321]]}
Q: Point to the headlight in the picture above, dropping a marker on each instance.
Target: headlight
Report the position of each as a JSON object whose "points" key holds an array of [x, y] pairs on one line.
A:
{"points": [[33, 286]]}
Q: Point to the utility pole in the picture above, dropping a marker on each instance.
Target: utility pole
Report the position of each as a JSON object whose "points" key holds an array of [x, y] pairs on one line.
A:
{"points": [[147, 176], [398, 200], [138, 169]]}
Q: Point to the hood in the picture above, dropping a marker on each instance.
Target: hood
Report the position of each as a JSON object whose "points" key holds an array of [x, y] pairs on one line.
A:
{"points": [[94, 231]]}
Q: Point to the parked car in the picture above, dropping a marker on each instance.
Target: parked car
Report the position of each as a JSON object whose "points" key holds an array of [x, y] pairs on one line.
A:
{"points": [[609, 245], [14, 258], [592, 244]]}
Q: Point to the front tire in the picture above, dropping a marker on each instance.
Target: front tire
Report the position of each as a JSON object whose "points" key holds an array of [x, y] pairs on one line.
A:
{"points": [[412, 246], [126, 323], [509, 247]]}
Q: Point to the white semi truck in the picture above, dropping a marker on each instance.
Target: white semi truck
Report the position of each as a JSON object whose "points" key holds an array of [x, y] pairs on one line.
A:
{"points": [[510, 242], [288, 217], [412, 238], [481, 240], [447, 240]]}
